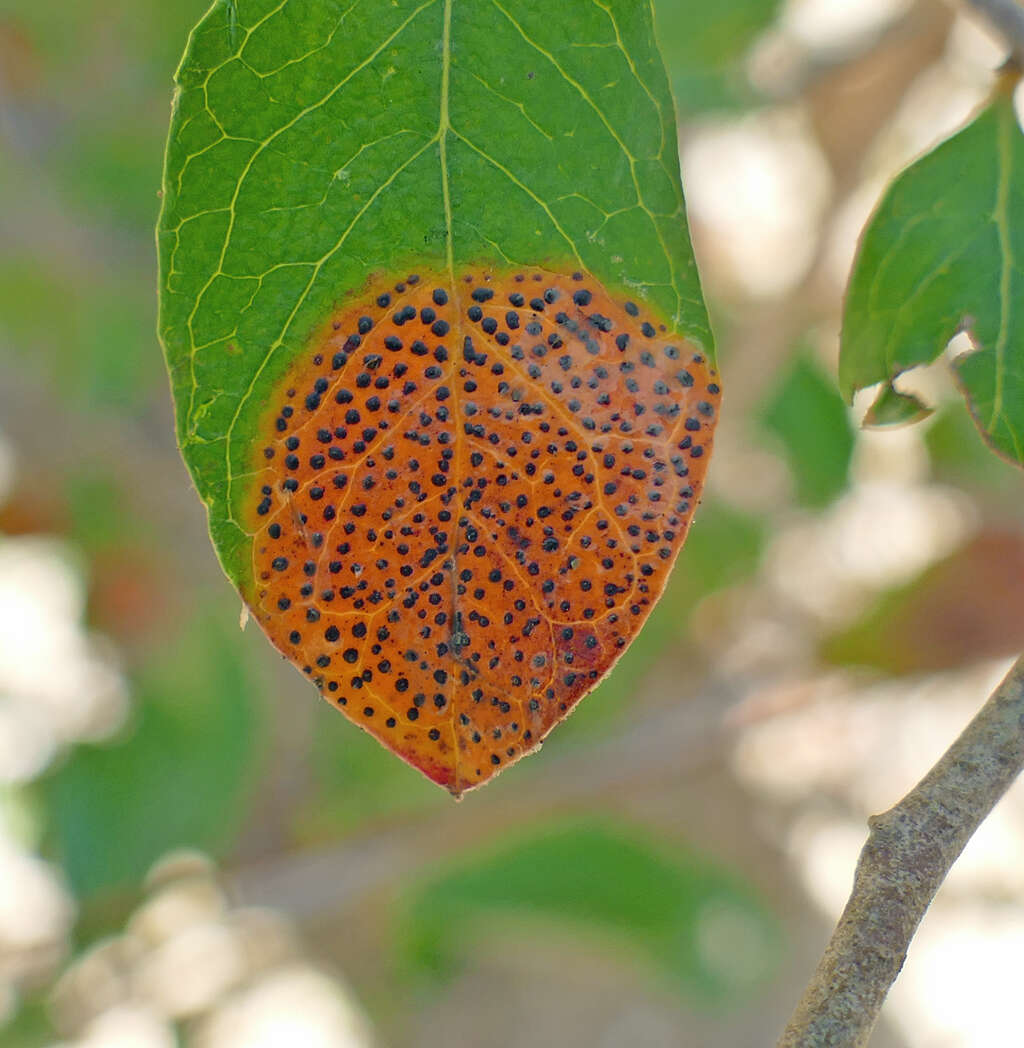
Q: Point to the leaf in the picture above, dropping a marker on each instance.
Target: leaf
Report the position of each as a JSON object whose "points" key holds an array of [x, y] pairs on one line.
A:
{"points": [[941, 255], [723, 549], [705, 47], [401, 243], [357, 782], [30, 1025], [959, 456], [967, 607], [88, 349], [806, 414], [684, 914], [893, 408], [180, 779]]}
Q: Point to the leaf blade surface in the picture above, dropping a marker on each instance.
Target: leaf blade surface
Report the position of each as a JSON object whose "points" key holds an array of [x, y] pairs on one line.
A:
{"points": [[320, 154], [944, 253]]}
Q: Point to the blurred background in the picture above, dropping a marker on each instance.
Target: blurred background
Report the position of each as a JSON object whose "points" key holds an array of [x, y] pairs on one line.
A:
{"points": [[196, 851]]}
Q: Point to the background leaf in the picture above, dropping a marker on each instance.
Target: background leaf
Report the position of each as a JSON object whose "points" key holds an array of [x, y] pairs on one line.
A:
{"points": [[960, 457], [943, 253], [706, 45], [180, 778], [968, 606], [87, 160], [692, 920], [807, 415], [893, 408]]}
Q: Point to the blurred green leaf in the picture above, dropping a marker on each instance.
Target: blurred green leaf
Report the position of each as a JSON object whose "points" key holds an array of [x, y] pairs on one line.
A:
{"points": [[705, 45], [29, 1028], [118, 45], [968, 606], [83, 329], [723, 548], [807, 415], [100, 514], [132, 587], [687, 916], [959, 456], [358, 782], [113, 172], [939, 256], [86, 102], [179, 779]]}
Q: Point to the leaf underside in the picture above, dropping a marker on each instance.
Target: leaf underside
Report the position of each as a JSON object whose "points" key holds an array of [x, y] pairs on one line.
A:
{"points": [[341, 179], [945, 253]]}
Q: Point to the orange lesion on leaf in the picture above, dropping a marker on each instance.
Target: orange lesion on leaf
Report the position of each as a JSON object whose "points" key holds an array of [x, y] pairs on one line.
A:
{"points": [[466, 501]]}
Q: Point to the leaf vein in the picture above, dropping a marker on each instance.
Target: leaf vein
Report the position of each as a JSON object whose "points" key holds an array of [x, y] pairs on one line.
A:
{"points": [[279, 341]]}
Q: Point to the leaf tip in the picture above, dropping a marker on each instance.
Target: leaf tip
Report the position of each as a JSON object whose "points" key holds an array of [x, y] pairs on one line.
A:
{"points": [[892, 408]]}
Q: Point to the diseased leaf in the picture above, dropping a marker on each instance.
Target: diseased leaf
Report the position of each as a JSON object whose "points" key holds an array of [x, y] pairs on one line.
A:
{"points": [[943, 253], [358, 781], [806, 414], [723, 549], [440, 360], [690, 918]]}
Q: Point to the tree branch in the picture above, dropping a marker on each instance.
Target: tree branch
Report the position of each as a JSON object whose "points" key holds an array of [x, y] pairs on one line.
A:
{"points": [[909, 851], [1008, 17]]}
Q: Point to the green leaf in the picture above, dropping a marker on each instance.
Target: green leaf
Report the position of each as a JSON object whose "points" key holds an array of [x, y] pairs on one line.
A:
{"points": [[689, 918], [959, 456], [179, 779], [944, 252], [893, 408], [705, 46], [357, 783], [807, 415], [88, 350], [314, 145], [30, 1027]]}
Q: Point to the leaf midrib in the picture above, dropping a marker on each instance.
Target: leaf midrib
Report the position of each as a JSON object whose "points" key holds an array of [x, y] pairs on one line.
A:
{"points": [[443, 130], [1001, 218]]}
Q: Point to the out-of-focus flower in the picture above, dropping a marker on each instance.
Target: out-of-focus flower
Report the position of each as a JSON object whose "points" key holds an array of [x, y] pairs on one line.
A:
{"points": [[58, 683], [236, 974]]}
